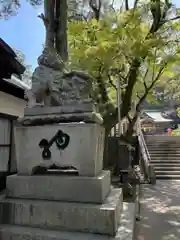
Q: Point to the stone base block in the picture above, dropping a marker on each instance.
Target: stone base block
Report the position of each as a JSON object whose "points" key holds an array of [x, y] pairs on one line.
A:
{"points": [[62, 188], [77, 145], [71, 108], [92, 218], [73, 112], [125, 230], [87, 117]]}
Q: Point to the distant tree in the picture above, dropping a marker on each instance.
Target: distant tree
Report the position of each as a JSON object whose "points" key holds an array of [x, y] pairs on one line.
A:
{"points": [[26, 77], [10, 7]]}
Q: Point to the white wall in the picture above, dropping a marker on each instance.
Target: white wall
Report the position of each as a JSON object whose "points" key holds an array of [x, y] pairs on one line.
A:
{"points": [[11, 105]]}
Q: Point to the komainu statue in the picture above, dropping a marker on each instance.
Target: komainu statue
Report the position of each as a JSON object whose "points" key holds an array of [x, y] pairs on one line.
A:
{"points": [[52, 86]]}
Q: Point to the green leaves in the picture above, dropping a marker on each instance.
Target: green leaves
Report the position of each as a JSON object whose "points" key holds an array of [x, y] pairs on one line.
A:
{"points": [[108, 48], [106, 42]]}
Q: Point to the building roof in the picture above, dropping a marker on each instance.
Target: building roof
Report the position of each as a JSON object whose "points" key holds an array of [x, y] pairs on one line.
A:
{"points": [[11, 89], [7, 48], [17, 82], [156, 116], [13, 64], [9, 66]]}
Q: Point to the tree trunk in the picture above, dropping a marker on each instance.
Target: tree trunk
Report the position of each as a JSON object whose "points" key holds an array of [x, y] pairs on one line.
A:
{"points": [[61, 33], [129, 133], [105, 156], [132, 79], [49, 7], [110, 118]]}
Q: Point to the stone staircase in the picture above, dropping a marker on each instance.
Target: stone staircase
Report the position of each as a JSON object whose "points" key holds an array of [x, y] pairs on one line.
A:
{"points": [[165, 155]]}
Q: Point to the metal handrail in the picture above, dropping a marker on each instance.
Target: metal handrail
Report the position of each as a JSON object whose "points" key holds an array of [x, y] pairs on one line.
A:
{"points": [[145, 160]]}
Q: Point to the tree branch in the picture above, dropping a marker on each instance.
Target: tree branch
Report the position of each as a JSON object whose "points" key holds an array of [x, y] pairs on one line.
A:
{"points": [[156, 13], [96, 9], [135, 4], [122, 77], [164, 14], [111, 82], [145, 85], [144, 79], [138, 95], [126, 5], [45, 20], [102, 87], [167, 5], [172, 19], [129, 118], [154, 63], [150, 87]]}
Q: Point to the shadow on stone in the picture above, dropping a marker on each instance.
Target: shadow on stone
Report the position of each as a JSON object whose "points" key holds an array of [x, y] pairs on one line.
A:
{"points": [[55, 170]]}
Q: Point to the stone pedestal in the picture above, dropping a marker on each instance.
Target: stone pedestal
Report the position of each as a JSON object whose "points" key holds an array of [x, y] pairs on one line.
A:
{"points": [[55, 204], [84, 149], [60, 188]]}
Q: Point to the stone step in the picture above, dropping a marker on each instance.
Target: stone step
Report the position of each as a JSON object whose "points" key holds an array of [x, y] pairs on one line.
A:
{"points": [[166, 168], [163, 138], [54, 215], [125, 230], [165, 159], [164, 154], [162, 144], [165, 148], [161, 172], [168, 153], [164, 151], [171, 148], [176, 144], [162, 161], [168, 177], [63, 188], [162, 141], [164, 164]]}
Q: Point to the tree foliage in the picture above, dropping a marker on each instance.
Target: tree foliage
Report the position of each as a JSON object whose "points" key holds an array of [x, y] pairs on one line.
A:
{"points": [[140, 46], [10, 7]]}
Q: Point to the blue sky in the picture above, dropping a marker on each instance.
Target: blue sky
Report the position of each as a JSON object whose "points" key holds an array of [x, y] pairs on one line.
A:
{"points": [[26, 32]]}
